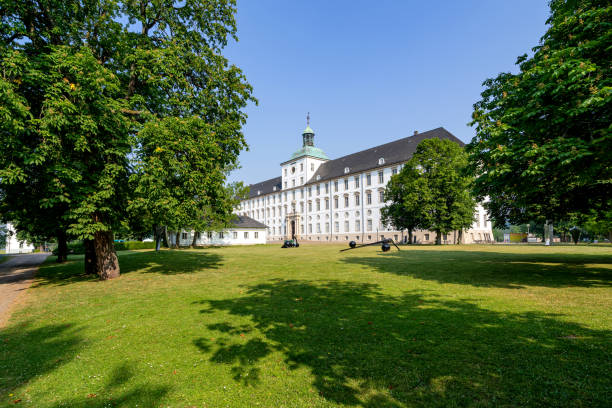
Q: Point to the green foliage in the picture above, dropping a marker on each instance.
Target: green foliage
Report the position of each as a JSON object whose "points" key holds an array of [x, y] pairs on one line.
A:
{"points": [[598, 225], [498, 235], [93, 93], [443, 164], [133, 245], [543, 136], [180, 172], [3, 233], [78, 248], [432, 191], [407, 193]]}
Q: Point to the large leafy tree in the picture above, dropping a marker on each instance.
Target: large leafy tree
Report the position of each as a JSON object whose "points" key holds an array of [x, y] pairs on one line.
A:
{"points": [[87, 85], [544, 135], [178, 177], [432, 191], [66, 149], [406, 194], [450, 207]]}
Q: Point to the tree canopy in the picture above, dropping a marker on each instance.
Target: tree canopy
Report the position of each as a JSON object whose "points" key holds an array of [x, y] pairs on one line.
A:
{"points": [[406, 193], [94, 93], [432, 191], [544, 135]]}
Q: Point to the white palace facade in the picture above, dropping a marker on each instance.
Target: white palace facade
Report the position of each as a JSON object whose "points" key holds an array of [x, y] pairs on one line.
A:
{"points": [[321, 200]]}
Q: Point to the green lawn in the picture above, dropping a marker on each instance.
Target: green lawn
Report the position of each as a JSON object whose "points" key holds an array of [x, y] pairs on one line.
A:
{"points": [[313, 327]]}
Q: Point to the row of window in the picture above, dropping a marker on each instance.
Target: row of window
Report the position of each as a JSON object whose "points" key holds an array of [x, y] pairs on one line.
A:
{"points": [[357, 238], [337, 227], [259, 213], [293, 172], [317, 227], [220, 235], [336, 183], [301, 168]]}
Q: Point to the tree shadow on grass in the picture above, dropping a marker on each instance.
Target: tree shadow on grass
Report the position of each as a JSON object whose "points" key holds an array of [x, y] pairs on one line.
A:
{"points": [[365, 348], [170, 262], [27, 352], [493, 269], [113, 393], [163, 262]]}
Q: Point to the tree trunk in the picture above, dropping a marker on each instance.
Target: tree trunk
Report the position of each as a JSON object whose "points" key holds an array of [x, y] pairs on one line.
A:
{"points": [[165, 237], [107, 264], [177, 240], [157, 230], [90, 257], [62, 247], [438, 237], [193, 242], [410, 237]]}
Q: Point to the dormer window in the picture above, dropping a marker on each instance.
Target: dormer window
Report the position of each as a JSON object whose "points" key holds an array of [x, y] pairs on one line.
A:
{"points": [[346, 170], [381, 161], [274, 188], [318, 177], [258, 192]]}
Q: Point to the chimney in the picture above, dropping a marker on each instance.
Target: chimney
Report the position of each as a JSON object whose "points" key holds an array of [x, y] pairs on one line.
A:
{"points": [[416, 132]]}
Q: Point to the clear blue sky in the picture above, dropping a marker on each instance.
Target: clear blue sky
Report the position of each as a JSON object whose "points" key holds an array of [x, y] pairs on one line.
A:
{"points": [[369, 72]]}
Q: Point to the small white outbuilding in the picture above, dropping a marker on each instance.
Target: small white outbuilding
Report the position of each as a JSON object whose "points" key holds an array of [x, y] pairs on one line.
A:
{"points": [[244, 231], [14, 246]]}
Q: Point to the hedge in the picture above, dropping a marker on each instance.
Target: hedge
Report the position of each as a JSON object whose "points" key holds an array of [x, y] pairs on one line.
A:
{"points": [[128, 245], [77, 247]]}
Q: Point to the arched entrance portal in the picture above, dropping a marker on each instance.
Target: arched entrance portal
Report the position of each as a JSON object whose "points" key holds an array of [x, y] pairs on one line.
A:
{"points": [[293, 226]]}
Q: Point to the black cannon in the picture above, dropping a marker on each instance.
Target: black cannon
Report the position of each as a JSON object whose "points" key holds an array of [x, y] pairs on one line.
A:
{"points": [[291, 243], [385, 245]]}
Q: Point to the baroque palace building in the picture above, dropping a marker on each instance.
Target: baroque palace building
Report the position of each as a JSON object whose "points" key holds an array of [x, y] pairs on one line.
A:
{"points": [[322, 200]]}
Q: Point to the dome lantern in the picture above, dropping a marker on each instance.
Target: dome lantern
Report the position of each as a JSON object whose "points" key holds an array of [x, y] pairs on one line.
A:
{"points": [[308, 133]]}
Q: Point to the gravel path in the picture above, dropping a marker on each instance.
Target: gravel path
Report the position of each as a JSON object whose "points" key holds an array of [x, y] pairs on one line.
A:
{"points": [[16, 275]]}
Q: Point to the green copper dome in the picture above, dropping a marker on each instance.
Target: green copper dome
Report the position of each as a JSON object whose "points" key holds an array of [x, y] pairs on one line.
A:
{"points": [[308, 130], [310, 151]]}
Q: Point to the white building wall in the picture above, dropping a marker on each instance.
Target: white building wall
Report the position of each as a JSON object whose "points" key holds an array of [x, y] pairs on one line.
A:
{"points": [[13, 246], [318, 222], [233, 236], [296, 173]]}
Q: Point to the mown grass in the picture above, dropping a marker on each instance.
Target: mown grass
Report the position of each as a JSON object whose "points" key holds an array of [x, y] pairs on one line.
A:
{"points": [[313, 327]]}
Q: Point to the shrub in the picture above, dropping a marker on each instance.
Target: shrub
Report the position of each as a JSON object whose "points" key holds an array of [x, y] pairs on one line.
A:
{"points": [[129, 245], [78, 248]]}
